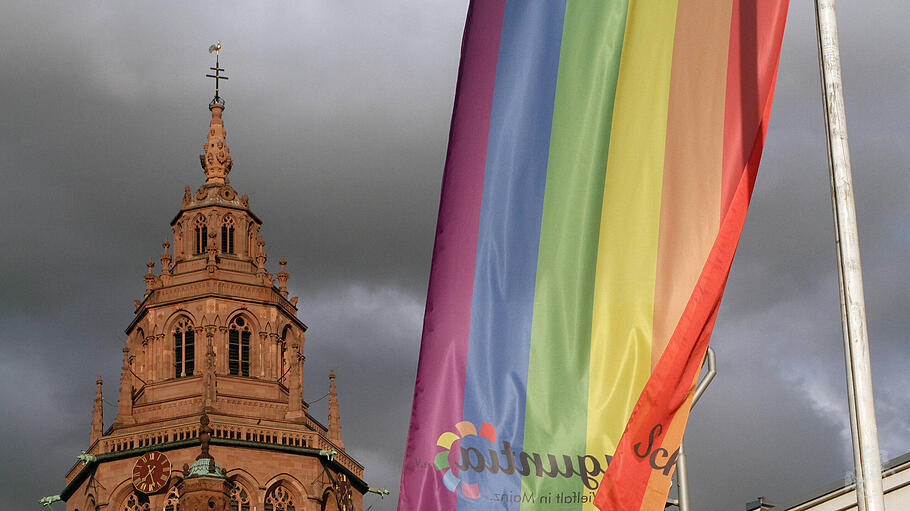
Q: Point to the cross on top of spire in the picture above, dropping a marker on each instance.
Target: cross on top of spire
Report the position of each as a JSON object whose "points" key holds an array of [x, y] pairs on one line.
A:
{"points": [[216, 49], [216, 162]]}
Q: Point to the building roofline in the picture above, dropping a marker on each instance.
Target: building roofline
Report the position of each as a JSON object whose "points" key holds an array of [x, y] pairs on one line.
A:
{"points": [[838, 488]]}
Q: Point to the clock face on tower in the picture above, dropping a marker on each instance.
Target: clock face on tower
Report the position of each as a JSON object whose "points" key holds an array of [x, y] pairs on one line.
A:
{"points": [[151, 472]]}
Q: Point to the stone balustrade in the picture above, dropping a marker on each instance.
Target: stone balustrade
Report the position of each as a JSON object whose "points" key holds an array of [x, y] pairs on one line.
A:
{"points": [[228, 431]]}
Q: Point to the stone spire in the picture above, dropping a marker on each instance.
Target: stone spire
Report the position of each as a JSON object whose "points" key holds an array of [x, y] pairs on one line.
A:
{"points": [[125, 403], [334, 415], [97, 415], [283, 278], [216, 161], [166, 258], [150, 279]]}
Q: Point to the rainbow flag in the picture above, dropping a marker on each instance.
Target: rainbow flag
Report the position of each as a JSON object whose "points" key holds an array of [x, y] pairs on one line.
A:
{"points": [[601, 159]]}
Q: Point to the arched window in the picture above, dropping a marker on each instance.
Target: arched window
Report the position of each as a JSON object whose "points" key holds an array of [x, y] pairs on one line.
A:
{"points": [[227, 234], [201, 234], [240, 498], [172, 502], [136, 502], [279, 499], [239, 347], [184, 346]]}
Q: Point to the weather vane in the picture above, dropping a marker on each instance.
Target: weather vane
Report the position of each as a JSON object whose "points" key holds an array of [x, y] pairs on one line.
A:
{"points": [[216, 49]]}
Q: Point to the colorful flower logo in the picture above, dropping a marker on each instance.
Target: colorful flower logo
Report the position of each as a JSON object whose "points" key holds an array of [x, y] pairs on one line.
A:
{"points": [[449, 479]]}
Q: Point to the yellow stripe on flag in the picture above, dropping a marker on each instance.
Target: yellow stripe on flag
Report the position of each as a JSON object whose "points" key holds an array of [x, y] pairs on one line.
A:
{"points": [[627, 250]]}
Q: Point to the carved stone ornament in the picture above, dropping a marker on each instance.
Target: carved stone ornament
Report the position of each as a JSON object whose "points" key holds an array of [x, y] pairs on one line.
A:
{"points": [[228, 193], [216, 161]]}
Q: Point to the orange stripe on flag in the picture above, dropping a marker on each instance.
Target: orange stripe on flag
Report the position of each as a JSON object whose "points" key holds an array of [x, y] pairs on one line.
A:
{"points": [[690, 196]]}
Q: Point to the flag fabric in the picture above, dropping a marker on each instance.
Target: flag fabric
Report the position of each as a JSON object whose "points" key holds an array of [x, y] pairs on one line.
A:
{"points": [[601, 159]]}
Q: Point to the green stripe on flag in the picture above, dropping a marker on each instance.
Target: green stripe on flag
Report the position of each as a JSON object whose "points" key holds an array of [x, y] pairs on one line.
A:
{"points": [[556, 409]]}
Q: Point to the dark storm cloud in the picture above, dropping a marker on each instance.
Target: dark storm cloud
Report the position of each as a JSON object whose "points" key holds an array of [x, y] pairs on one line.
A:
{"points": [[337, 120]]}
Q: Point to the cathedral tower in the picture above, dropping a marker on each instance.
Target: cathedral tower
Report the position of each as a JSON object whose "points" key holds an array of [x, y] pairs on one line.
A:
{"points": [[216, 340]]}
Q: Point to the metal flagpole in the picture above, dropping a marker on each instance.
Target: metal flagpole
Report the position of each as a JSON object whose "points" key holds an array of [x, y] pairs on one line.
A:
{"points": [[856, 350], [851, 397], [682, 472]]}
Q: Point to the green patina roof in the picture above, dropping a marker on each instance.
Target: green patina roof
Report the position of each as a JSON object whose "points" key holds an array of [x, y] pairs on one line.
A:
{"points": [[205, 467]]}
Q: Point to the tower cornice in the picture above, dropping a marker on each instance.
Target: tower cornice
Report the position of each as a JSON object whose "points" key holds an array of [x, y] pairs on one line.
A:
{"points": [[195, 207], [151, 301]]}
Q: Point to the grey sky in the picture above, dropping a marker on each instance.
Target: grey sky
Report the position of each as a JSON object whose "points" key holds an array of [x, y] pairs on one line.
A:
{"points": [[337, 119]]}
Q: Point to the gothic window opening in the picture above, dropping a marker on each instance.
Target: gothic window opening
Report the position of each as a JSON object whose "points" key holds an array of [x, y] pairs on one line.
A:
{"points": [[173, 500], [184, 349], [201, 234], [136, 502], [227, 235], [279, 499], [239, 347], [240, 498]]}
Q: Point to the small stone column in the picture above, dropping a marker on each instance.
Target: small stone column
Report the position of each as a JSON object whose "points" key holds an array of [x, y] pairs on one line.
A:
{"points": [[164, 356], [125, 403], [223, 362], [211, 251], [209, 391], [97, 415], [258, 355], [295, 386], [334, 414]]}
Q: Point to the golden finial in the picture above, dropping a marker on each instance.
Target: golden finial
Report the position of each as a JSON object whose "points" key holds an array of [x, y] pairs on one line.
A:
{"points": [[216, 49]]}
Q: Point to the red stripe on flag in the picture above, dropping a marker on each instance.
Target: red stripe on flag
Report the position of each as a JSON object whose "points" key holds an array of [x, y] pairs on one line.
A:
{"points": [[756, 29], [625, 485]]}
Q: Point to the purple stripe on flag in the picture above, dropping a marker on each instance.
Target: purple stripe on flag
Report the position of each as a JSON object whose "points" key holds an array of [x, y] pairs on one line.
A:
{"points": [[439, 390]]}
